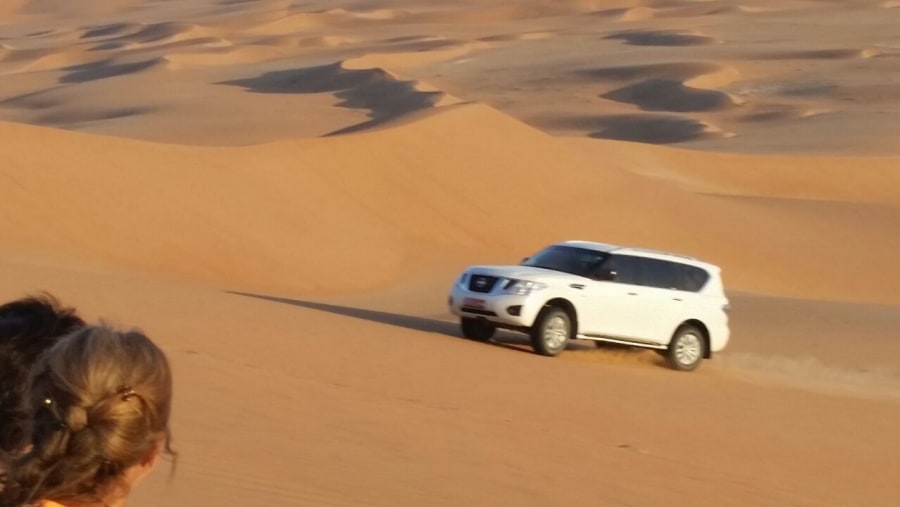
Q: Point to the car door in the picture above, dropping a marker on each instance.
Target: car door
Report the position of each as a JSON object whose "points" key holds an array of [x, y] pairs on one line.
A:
{"points": [[666, 301], [610, 304]]}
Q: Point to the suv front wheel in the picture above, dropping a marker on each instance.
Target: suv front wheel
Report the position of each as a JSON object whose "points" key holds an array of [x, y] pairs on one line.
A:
{"points": [[477, 329], [551, 331], [686, 349]]}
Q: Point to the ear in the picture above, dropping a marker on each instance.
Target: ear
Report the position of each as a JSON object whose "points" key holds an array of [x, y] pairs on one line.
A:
{"points": [[152, 457]]}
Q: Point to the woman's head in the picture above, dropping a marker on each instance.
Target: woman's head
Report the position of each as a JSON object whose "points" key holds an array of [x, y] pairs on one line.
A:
{"points": [[100, 401], [28, 327]]}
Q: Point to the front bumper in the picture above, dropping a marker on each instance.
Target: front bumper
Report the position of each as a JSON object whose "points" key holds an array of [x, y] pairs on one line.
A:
{"points": [[502, 309]]}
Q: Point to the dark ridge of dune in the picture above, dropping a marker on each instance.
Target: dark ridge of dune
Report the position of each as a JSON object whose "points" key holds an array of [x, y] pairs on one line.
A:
{"points": [[408, 38], [498, 38], [373, 89], [661, 38], [105, 69], [198, 42], [804, 89], [779, 113], [111, 30], [112, 45], [662, 94], [681, 71], [40, 99], [653, 129], [51, 109], [420, 45], [73, 116], [154, 32], [609, 13], [644, 128], [23, 55], [876, 93]]}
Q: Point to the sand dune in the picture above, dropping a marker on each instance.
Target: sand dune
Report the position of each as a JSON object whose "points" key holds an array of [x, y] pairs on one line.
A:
{"points": [[282, 192], [446, 165]]}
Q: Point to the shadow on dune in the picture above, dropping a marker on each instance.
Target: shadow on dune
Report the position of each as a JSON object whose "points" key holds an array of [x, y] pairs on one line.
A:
{"points": [[423, 324], [377, 91], [48, 108], [110, 30], [104, 69], [644, 128], [670, 95], [660, 38], [74, 117]]}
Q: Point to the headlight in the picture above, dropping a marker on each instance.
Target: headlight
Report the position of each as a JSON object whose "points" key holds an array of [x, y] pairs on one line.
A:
{"points": [[522, 287]]}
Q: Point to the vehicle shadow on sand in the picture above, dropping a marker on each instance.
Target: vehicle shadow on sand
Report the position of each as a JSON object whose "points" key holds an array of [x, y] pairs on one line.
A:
{"points": [[506, 340]]}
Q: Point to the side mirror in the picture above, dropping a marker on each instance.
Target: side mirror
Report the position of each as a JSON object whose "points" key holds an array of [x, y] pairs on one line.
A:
{"points": [[606, 275], [525, 259]]}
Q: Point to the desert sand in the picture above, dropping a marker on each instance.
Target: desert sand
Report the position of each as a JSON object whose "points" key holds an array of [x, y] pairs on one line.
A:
{"points": [[281, 193]]}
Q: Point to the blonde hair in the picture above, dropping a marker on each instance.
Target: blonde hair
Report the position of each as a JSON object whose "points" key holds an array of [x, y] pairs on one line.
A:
{"points": [[100, 401]]}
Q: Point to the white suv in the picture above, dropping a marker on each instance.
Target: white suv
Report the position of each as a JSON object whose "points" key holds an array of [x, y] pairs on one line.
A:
{"points": [[595, 291]]}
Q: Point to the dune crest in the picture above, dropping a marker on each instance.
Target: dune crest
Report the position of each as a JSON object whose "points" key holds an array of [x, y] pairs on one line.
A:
{"points": [[638, 14]]}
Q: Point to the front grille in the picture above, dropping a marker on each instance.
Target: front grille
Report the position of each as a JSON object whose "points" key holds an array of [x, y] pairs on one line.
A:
{"points": [[482, 283]]}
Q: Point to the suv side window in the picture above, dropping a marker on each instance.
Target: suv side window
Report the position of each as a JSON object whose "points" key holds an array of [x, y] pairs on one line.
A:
{"points": [[626, 267], [658, 273]]}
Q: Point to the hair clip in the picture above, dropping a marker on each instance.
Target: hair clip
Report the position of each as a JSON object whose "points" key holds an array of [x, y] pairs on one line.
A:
{"points": [[48, 401], [126, 392]]}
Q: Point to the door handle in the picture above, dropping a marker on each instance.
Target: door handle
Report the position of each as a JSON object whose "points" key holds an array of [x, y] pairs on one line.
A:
{"points": [[676, 299], [632, 293]]}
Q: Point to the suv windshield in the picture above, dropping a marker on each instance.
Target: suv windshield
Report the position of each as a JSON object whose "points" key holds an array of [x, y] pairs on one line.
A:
{"points": [[568, 259]]}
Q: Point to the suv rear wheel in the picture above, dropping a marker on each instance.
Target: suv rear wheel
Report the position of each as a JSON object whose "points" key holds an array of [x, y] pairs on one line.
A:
{"points": [[477, 329], [686, 349], [551, 331]]}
